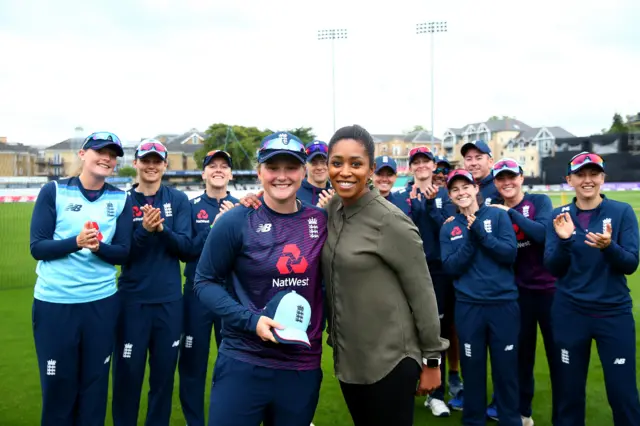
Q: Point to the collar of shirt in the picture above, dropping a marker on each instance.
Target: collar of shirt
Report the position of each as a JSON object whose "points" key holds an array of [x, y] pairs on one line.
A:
{"points": [[360, 203]]}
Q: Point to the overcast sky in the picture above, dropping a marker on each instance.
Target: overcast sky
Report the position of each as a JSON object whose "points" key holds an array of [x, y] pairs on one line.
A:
{"points": [[144, 67]]}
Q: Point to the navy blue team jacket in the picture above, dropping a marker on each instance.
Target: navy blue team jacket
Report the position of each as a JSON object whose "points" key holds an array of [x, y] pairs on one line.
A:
{"points": [[595, 280], [152, 274], [429, 215], [401, 200], [481, 260], [204, 210], [489, 191], [310, 194], [263, 252]]}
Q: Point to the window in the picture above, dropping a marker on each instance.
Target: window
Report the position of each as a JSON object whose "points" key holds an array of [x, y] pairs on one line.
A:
{"points": [[521, 146], [523, 160], [395, 151]]}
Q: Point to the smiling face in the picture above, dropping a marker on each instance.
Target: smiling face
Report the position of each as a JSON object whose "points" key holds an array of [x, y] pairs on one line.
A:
{"points": [[422, 167], [587, 182], [150, 168], [281, 177], [217, 173], [318, 171], [349, 169], [384, 180], [478, 163], [99, 163], [463, 193], [509, 185]]}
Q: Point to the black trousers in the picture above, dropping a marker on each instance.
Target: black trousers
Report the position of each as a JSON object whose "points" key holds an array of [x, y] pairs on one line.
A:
{"points": [[389, 401]]}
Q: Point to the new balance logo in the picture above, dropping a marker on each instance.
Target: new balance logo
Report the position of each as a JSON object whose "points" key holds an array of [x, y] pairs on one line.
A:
{"points": [[508, 348], [176, 344], [564, 356], [107, 359], [167, 210], [487, 225], [619, 361], [264, 227], [111, 211], [313, 228], [126, 353], [188, 342], [467, 350], [51, 367], [73, 207]]}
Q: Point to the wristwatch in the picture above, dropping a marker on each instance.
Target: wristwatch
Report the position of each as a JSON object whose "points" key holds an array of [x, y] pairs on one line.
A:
{"points": [[432, 362]]}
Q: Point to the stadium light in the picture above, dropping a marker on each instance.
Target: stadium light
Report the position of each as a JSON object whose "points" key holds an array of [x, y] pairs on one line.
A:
{"points": [[333, 34], [432, 27]]}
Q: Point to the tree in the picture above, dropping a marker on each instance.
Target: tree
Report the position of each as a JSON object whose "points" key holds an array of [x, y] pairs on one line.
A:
{"points": [[305, 134], [618, 125], [240, 142], [127, 171], [416, 128]]}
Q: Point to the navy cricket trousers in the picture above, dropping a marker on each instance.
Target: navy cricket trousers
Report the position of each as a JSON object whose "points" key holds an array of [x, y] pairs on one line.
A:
{"points": [[495, 326], [153, 328], [74, 343], [615, 336], [535, 309], [442, 286], [194, 356], [244, 394]]}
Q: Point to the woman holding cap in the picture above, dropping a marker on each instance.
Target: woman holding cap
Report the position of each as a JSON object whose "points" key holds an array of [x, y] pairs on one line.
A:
{"points": [[591, 246], [80, 229], [478, 249], [267, 368], [383, 316], [151, 291], [529, 214]]}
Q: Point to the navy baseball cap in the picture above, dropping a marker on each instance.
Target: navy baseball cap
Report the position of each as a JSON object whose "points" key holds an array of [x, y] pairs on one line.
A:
{"points": [[506, 165], [293, 312], [99, 140], [281, 143], [217, 153], [420, 150], [151, 146], [585, 159], [459, 174], [317, 148], [442, 159], [386, 161], [479, 144]]}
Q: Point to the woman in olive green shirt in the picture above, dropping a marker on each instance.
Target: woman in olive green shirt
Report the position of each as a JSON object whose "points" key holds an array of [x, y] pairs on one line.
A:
{"points": [[383, 320]]}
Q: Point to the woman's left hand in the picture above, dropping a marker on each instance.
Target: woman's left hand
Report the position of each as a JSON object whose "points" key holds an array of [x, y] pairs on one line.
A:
{"points": [[430, 380], [601, 241]]}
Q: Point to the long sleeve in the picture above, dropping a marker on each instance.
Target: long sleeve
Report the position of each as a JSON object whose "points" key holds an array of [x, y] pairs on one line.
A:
{"points": [[178, 239], [623, 256], [501, 243], [534, 229], [440, 215], [223, 245], [456, 260], [557, 253], [117, 253], [43, 227], [400, 246]]}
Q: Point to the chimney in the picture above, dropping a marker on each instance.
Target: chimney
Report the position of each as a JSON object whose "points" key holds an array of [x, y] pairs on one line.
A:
{"points": [[3, 139]]}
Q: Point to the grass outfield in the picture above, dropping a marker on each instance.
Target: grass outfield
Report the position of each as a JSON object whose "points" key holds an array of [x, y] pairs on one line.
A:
{"points": [[20, 389]]}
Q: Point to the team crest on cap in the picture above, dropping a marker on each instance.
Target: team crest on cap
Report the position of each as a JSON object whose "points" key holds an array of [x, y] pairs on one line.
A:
{"points": [[284, 138]]}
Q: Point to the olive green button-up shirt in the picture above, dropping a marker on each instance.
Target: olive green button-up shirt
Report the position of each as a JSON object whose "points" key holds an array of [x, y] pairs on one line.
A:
{"points": [[381, 303]]}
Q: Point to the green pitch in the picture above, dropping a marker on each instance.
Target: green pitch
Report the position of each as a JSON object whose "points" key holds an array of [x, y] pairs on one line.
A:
{"points": [[20, 389]]}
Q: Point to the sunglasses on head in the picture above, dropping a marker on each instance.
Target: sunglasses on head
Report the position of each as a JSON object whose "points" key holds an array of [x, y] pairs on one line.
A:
{"points": [[585, 158], [156, 147], [506, 164], [420, 150], [319, 147], [460, 172], [444, 170], [102, 136], [216, 151], [283, 142]]}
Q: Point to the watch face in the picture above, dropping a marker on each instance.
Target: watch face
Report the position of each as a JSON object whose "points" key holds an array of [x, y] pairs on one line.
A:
{"points": [[433, 363]]}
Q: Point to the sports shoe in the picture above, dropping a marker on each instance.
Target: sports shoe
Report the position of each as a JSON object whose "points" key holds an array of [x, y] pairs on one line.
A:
{"points": [[492, 411], [457, 402], [527, 421], [455, 384], [438, 407]]}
